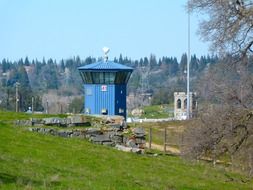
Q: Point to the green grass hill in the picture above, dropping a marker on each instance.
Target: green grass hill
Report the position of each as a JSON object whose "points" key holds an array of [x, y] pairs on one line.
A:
{"points": [[34, 161]]}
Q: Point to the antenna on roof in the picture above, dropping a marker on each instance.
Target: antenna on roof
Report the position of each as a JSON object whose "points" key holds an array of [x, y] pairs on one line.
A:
{"points": [[106, 51]]}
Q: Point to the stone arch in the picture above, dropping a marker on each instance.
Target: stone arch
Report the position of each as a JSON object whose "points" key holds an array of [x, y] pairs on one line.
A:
{"points": [[179, 104]]}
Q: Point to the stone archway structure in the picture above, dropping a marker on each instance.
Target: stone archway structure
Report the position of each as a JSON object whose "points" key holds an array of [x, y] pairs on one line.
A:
{"points": [[180, 105]]}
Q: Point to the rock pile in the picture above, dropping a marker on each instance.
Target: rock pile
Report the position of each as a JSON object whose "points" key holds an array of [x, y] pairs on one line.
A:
{"points": [[75, 120], [110, 131], [110, 137], [139, 137], [60, 133]]}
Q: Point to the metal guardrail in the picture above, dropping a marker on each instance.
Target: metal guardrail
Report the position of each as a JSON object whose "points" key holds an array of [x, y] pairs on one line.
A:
{"points": [[135, 120]]}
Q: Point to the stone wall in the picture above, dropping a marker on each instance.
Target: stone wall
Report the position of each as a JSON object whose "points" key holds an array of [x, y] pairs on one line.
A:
{"points": [[107, 131], [76, 120]]}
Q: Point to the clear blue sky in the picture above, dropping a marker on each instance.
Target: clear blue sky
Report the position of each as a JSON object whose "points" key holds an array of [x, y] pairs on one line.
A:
{"points": [[66, 28]]}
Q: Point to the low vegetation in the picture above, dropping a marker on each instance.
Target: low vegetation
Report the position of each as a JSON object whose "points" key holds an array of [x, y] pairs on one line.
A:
{"points": [[35, 161], [175, 131], [158, 111]]}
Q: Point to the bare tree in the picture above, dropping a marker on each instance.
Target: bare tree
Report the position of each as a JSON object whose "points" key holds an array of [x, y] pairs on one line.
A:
{"points": [[225, 125], [228, 24]]}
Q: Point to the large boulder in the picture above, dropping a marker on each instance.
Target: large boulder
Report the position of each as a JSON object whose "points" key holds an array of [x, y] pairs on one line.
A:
{"points": [[64, 133], [123, 148], [23, 123], [129, 149], [37, 122], [93, 132], [77, 120], [139, 132], [76, 133], [131, 143], [55, 121], [100, 139], [114, 121]]}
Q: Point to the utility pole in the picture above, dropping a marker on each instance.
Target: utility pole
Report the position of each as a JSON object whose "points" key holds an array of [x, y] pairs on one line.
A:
{"points": [[188, 68], [17, 96]]}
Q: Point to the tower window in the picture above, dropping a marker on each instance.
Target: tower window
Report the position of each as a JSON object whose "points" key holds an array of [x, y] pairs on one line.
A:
{"points": [[121, 110], [178, 104], [104, 111]]}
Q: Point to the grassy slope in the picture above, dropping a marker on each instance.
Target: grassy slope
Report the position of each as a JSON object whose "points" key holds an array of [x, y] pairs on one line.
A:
{"points": [[174, 131], [34, 161], [157, 111]]}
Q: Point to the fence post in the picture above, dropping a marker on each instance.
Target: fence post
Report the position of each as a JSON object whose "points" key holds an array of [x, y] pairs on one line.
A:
{"points": [[165, 139], [150, 138], [182, 140]]}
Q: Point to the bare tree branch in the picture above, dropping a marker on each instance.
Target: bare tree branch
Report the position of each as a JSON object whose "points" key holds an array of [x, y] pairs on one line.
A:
{"points": [[229, 24]]}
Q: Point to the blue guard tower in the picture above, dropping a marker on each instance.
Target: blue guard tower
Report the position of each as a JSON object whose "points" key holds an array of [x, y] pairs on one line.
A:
{"points": [[105, 85]]}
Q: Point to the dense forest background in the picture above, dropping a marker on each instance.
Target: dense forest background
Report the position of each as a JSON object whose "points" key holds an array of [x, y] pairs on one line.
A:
{"points": [[59, 85]]}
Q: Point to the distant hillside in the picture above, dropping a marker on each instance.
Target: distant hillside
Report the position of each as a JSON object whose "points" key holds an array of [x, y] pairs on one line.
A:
{"points": [[160, 77]]}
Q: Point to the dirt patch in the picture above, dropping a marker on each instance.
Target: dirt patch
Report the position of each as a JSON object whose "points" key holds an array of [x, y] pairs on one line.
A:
{"points": [[161, 148]]}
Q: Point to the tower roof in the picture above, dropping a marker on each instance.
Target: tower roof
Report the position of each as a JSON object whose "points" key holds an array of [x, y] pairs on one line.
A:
{"points": [[105, 65]]}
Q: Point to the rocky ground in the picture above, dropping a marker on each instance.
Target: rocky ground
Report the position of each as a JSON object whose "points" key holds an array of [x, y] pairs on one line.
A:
{"points": [[104, 130]]}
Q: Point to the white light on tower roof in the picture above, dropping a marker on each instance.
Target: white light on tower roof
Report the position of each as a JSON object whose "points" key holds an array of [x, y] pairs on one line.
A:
{"points": [[106, 51]]}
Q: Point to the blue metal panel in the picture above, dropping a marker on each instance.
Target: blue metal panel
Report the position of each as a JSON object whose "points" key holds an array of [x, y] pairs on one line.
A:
{"points": [[120, 100], [89, 99], [98, 97], [104, 98]]}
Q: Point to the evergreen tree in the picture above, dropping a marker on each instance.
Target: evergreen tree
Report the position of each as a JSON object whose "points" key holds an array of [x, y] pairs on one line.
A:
{"points": [[194, 63], [88, 60], [145, 62], [141, 63], [21, 62], [175, 67], [120, 59], [22, 77], [27, 63], [5, 65], [77, 61], [153, 61], [115, 60], [62, 65], [183, 63], [202, 63]]}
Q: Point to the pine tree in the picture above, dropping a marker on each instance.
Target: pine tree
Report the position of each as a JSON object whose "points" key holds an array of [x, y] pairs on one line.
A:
{"points": [[183, 63], [27, 63]]}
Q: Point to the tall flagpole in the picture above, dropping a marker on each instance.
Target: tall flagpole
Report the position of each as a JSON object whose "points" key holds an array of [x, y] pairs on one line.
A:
{"points": [[188, 68]]}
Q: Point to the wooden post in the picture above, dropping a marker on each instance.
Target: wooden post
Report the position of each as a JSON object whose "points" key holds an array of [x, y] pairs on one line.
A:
{"points": [[182, 140], [61, 108], [150, 137], [32, 104], [165, 139], [47, 111]]}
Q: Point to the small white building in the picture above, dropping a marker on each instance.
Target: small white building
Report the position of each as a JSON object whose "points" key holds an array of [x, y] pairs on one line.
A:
{"points": [[180, 105]]}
